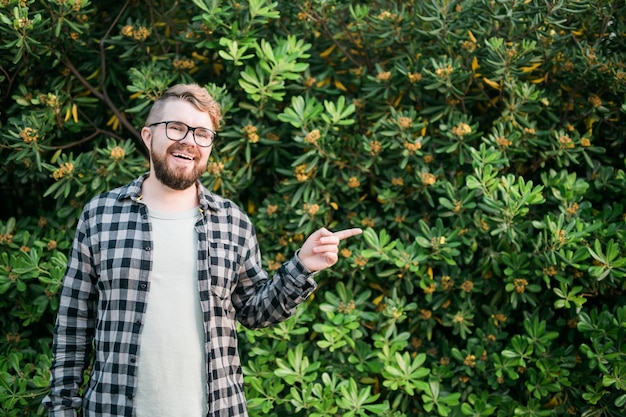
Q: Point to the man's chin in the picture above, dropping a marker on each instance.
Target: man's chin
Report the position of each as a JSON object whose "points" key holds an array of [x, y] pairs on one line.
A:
{"points": [[179, 184], [176, 177], [176, 181]]}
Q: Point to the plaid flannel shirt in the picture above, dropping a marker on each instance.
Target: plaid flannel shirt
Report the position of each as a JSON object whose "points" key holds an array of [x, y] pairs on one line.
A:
{"points": [[107, 286]]}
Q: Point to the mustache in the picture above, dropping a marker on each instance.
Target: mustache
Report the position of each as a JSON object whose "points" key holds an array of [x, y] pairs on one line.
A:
{"points": [[177, 146]]}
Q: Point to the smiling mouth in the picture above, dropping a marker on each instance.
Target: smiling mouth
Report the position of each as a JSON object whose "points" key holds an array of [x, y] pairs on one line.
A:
{"points": [[183, 156]]}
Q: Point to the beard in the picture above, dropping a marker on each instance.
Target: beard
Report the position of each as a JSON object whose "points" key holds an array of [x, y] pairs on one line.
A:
{"points": [[175, 178]]}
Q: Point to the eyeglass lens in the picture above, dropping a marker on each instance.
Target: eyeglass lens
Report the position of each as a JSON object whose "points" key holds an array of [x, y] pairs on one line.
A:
{"points": [[178, 130]]}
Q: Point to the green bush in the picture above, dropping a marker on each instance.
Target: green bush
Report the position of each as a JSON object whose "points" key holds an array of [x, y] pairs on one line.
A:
{"points": [[479, 143]]}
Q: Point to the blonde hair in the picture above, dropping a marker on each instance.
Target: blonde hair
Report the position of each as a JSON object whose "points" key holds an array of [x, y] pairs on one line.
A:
{"points": [[191, 93]]}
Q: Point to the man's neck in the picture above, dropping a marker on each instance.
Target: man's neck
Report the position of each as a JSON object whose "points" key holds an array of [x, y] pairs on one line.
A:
{"points": [[162, 198]]}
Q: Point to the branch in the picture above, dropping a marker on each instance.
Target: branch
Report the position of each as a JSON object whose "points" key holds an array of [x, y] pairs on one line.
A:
{"points": [[320, 21], [78, 142], [11, 79], [103, 95]]}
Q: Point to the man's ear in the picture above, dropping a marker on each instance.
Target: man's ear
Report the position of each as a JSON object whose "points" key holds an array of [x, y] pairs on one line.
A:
{"points": [[146, 136]]}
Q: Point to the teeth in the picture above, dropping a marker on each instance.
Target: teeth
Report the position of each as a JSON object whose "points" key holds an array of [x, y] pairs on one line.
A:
{"points": [[179, 155]]}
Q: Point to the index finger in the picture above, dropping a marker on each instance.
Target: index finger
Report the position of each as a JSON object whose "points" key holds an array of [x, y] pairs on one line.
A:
{"points": [[344, 234]]}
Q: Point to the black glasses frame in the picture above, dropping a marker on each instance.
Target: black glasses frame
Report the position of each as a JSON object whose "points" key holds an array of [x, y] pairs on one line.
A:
{"points": [[189, 129]]}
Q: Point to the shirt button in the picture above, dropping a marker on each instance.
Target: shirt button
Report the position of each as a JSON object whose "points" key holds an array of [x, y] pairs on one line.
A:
{"points": [[147, 247], [143, 286]]}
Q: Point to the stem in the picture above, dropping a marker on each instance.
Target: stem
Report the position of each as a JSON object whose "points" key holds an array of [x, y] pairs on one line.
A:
{"points": [[102, 94], [328, 33]]}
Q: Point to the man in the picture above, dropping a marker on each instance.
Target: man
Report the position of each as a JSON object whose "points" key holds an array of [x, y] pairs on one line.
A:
{"points": [[158, 274]]}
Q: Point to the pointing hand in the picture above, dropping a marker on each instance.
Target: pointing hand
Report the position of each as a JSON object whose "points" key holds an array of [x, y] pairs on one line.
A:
{"points": [[320, 250]]}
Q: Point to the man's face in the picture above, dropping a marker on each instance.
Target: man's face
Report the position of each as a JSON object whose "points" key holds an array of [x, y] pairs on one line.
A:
{"points": [[177, 165]]}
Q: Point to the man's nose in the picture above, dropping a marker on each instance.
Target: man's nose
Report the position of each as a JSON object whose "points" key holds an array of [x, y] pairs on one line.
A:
{"points": [[189, 137]]}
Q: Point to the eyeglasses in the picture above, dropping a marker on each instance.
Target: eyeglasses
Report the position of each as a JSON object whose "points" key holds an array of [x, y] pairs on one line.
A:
{"points": [[177, 131]]}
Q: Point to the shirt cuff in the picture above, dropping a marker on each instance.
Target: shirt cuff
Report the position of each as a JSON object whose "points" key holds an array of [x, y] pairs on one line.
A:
{"points": [[301, 277]]}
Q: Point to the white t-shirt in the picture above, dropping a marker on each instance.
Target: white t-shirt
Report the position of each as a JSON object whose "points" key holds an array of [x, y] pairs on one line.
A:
{"points": [[172, 364]]}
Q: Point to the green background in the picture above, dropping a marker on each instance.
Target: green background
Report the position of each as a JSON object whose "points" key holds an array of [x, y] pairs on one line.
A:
{"points": [[479, 144]]}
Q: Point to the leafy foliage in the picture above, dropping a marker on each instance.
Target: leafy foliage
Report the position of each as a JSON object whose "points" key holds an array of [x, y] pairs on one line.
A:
{"points": [[479, 143]]}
